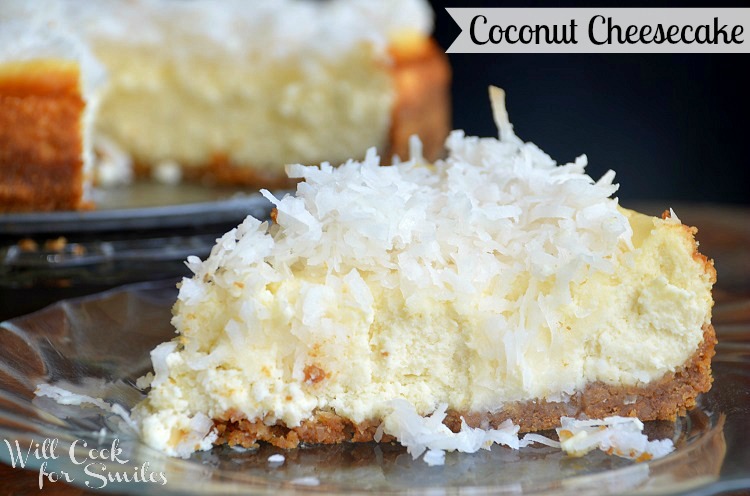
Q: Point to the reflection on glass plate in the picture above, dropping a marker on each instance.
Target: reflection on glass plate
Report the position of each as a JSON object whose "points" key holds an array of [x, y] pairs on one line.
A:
{"points": [[145, 205], [100, 345]]}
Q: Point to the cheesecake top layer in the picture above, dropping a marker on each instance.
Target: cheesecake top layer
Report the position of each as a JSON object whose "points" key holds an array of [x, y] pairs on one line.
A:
{"points": [[259, 28]]}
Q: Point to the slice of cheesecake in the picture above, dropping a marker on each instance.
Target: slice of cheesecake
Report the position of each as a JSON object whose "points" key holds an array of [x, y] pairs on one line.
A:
{"points": [[495, 282]]}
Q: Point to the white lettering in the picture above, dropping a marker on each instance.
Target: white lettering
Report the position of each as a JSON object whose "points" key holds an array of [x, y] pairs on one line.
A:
{"points": [[72, 452], [21, 459]]}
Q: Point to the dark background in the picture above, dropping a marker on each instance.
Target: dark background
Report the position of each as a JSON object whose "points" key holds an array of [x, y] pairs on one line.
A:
{"points": [[674, 127]]}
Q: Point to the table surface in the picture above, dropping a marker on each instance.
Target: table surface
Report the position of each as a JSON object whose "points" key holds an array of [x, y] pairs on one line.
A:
{"points": [[724, 235]]}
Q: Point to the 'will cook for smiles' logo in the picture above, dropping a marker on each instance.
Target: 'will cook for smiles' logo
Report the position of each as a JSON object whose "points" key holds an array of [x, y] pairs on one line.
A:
{"points": [[98, 465]]}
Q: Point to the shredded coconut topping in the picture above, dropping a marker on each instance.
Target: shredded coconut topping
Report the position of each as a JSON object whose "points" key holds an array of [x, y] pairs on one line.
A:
{"points": [[484, 229], [507, 196], [238, 26]]}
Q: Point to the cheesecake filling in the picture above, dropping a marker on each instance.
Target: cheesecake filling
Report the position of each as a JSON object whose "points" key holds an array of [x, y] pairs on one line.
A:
{"points": [[205, 109], [249, 86], [492, 277]]}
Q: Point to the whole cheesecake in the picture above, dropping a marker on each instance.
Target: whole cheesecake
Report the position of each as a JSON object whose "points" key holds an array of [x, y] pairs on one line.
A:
{"points": [[222, 92], [232, 91], [495, 282]]}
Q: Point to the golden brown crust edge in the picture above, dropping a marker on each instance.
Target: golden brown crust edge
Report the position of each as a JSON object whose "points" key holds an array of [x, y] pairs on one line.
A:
{"points": [[41, 148], [422, 77], [665, 399]]}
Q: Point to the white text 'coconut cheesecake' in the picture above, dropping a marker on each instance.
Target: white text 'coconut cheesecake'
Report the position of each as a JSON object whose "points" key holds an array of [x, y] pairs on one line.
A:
{"points": [[495, 282]]}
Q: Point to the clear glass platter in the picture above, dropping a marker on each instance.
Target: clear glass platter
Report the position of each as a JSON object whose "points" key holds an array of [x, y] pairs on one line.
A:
{"points": [[99, 346]]}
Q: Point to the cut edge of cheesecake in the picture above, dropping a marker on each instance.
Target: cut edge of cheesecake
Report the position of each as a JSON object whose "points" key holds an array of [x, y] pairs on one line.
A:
{"points": [[665, 399]]}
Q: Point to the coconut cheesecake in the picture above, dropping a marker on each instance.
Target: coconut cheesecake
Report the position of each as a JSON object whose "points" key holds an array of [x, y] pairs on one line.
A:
{"points": [[220, 92], [494, 282]]}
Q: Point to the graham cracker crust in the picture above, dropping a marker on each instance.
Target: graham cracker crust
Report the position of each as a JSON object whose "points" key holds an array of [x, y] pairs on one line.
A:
{"points": [[665, 399]]}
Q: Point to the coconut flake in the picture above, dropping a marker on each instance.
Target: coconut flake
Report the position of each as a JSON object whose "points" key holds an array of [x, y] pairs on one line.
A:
{"points": [[621, 436], [434, 457], [159, 357], [113, 165], [533, 438], [420, 434], [500, 114], [200, 435], [673, 219], [65, 397]]}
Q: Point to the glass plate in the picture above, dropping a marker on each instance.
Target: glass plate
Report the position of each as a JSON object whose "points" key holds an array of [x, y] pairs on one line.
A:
{"points": [[100, 345], [145, 205]]}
